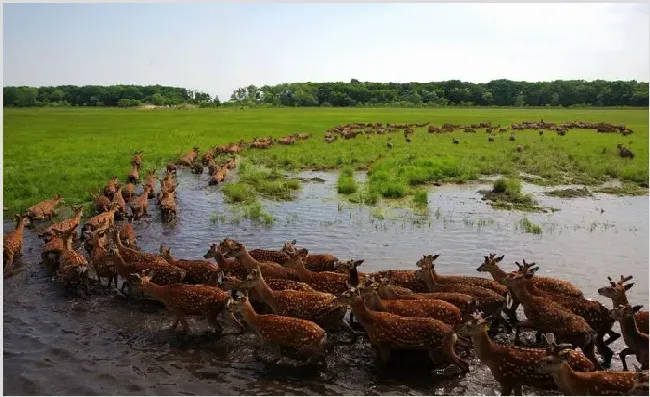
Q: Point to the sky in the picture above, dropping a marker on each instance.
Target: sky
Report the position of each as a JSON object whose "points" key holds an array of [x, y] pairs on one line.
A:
{"points": [[218, 47]]}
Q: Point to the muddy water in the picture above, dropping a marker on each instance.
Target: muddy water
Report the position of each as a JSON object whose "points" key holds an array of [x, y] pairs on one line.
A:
{"points": [[109, 345]]}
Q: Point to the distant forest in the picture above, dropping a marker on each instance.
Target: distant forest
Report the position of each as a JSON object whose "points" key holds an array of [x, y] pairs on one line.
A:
{"points": [[575, 93]]}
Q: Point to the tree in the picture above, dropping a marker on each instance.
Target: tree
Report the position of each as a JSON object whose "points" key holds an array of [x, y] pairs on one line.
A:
{"points": [[555, 99], [216, 100], [157, 99], [487, 98], [519, 99]]}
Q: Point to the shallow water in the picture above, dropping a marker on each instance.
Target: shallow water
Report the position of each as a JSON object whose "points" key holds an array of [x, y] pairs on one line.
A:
{"points": [[108, 345]]}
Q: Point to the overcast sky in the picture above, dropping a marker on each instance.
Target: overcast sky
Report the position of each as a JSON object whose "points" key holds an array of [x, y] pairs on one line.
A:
{"points": [[219, 47]]}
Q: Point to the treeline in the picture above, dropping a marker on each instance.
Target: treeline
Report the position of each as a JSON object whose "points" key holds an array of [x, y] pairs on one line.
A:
{"points": [[355, 93], [448, 93], [96, 95]]}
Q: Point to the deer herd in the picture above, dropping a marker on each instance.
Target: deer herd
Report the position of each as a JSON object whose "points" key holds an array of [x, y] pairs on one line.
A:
{"points": [[296, 300], [352, 130]]}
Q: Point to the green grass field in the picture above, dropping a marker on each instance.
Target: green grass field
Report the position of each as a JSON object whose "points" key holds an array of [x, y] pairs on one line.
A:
{"points": [[75, 151]]}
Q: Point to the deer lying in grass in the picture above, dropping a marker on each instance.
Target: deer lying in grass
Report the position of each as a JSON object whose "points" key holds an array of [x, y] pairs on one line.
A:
{"points": [[637, 342], [591, 383], [319, 307], [546, 315], [44, 209], [12, 243], [596, 315], [130, 261], [232, 248], [386, 290], [65, 225], [280, 331], [197, 271], [72, 270], [391, 332], [616, 292], [109, 189], [140, 204], [512, 366], [431, 308], [186, 300]]}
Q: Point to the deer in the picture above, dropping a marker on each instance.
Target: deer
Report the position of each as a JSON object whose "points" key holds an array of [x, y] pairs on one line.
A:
{"points": [[51, 252], [128, 191], [67, 224], [428, 262], [264, 255], [313, 262], [168, 206], [234, 249], [12, 243], [546, 315], [134, 174], [127, 234], [101, 203], [185, 300], [512, 366], [189, 158], [101, 259], [133, 261], [151, 183], [119, 200], [73, 267], [616, 292], [636, 342], [137, 159], [387, 332], [44, 209], [280, 331], [430, 308], [596, 315], [97, 221], [197, 271], [171, 167], [109, 189], [588, 383], [227, 265], [139, 206], [319, 307], [386, 290], [404, 279], [330, 282]]}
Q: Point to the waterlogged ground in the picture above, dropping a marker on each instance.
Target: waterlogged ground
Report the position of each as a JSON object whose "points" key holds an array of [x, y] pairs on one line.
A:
{"points": [[108, 345]]}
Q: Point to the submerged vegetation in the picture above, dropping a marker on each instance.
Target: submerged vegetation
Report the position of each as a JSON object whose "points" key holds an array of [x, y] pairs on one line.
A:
{"points": [[570, 193], [506, 194], [256, 181], [529, 227], [626, 189]]}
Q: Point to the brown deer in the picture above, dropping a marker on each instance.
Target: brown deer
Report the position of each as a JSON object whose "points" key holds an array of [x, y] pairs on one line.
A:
{"points": [[12, 243], [197, 271], [101, 203], [44, 209], [512, 366], [591, 383], [263, 255], [186, 300], [73, 267], [637, 342], [127, 234], [109, 189], [119, 200], [101, 260], [640, 387], [313, 262], [230, 266], [52, 251], [97, 221], [431, 308], [330, 282], [171, 167], [546, 315], [134, 174], [405, 279], [387, 331], [67, 224], [616, 292], [234, 249], [428, 262], [128, 191], [189, 158], [281, 331], [141, 203], [137, 159], [321, 308], [151, 183]]}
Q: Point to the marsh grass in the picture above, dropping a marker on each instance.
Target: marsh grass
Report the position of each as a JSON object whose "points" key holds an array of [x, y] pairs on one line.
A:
{"points": [[506, 194], [529, 227], [252, 210], [346, 183], [570, 193], [74, 151], [626, 189]]}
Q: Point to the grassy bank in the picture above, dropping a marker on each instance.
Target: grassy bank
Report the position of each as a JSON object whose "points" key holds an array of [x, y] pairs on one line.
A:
{"points": [[74, 151]]}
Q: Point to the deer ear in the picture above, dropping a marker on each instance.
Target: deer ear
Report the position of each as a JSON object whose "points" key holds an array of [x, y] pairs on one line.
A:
{"points": [[294, 241], [499, 258], [434, 257], [628, 286], [636, 308], [359, 262]]}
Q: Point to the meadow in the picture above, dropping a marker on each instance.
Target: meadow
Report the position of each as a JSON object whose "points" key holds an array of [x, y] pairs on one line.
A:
{"points": [[74, 151]]}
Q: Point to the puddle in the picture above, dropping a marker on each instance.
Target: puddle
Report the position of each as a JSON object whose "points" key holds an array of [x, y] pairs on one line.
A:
{"points": [[107, 345]]}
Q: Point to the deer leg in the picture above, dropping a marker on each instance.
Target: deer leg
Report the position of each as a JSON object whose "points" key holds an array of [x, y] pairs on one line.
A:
{"points": [[346, 327], [506, 390], [10, 261], [590, 352], [624, 353], [612, 337], [384, 352], [448, 349], [212, 321], [604, 350], [518, 327], [518, 390]]}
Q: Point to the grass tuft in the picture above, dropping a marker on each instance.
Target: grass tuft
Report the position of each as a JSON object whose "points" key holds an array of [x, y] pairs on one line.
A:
{"points": [[529, 227]]}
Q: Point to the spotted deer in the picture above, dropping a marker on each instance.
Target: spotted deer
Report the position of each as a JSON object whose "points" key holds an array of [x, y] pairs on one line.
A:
{"points": [[101, 259], [428, 262], [588, 383], [388, 332], [51, 252], [128, 191], [73, 267], [330, 282], [12, 243], [109, 189], [118, 199], [44, 209], [431, 308], [546, 315], [281, 331], [127, 234], [189, 158], [97, 221], [141, 203], [616, 291], [319, 307], [640, 387], [404, 279], [636, 342], [230, 266], [263, 255], [512, 366], [137, 159], [65, 225], [313, 262], [185, 300], [151, 183], [101, 203], [234, 249], [197, 271]]}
